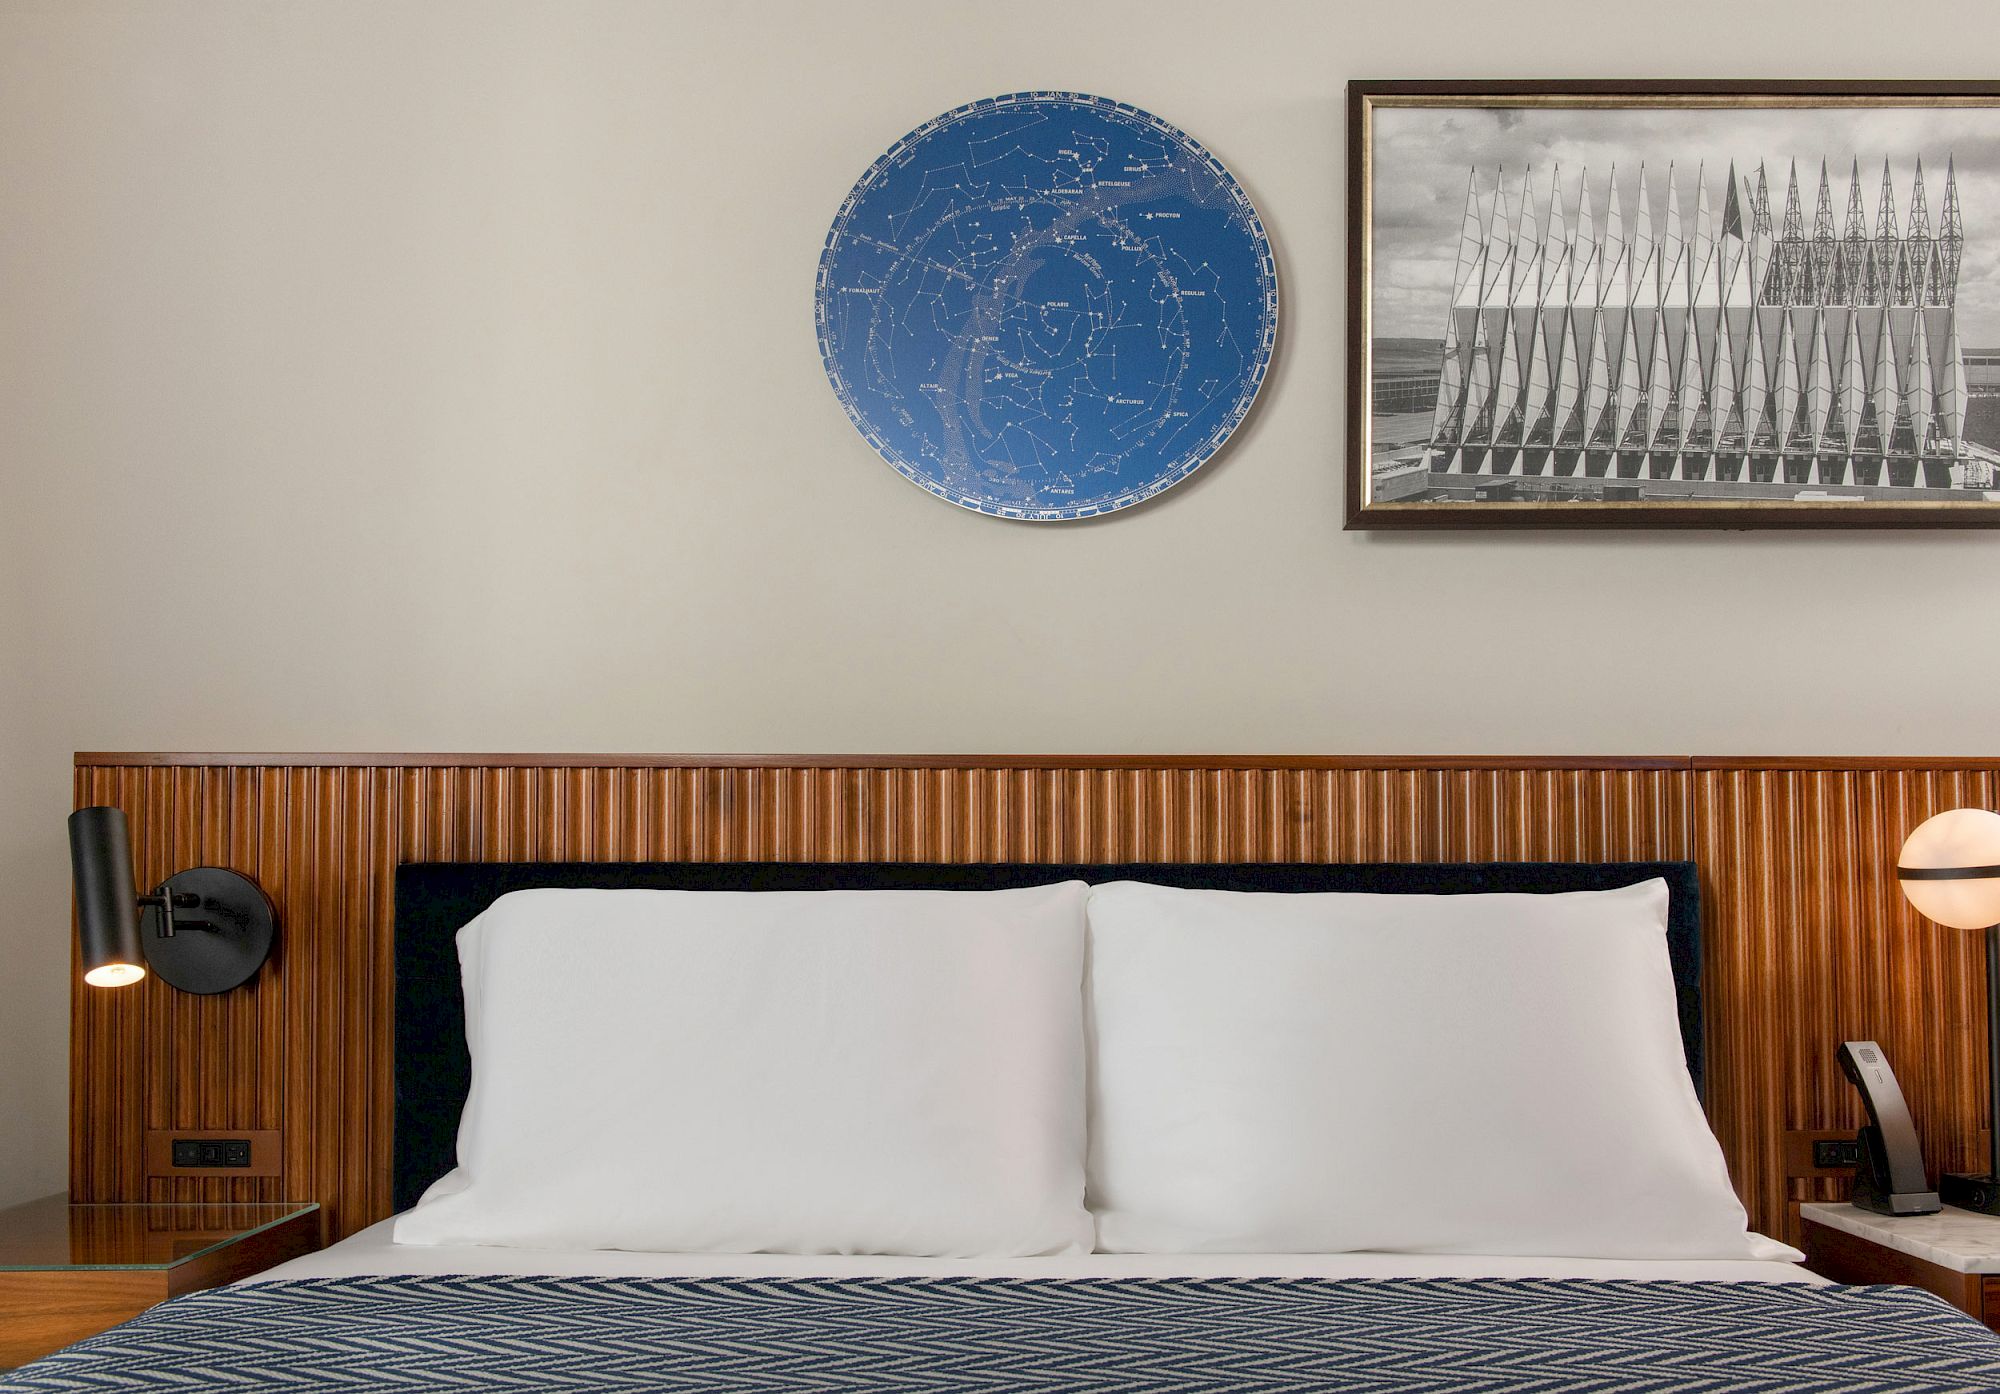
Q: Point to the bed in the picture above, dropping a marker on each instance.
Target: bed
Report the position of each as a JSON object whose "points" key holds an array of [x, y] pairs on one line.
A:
{"points": [[370, 1313]]}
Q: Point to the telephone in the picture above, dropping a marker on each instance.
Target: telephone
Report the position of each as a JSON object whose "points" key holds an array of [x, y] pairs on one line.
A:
{"points": [[1890, 1179]]}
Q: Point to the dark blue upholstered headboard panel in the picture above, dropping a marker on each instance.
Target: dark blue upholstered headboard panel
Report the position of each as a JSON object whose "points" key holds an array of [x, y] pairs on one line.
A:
{"points": [[434, 900]]}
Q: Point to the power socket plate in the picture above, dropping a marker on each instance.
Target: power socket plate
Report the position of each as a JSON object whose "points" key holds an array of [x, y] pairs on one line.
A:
{"points": [[1805, 1156], [218, 1153], [204, 1154]]}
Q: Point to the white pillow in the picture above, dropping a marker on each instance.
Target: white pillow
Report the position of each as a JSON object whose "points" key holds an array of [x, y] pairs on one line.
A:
{"points": [[1471, 1074], [893, 1072]]}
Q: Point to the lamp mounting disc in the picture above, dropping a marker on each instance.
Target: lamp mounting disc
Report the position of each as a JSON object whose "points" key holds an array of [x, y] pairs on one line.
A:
{"points": [[217, 959]]}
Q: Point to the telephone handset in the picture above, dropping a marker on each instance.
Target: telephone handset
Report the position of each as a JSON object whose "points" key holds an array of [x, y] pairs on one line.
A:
{"points": [[1891, 1178]]}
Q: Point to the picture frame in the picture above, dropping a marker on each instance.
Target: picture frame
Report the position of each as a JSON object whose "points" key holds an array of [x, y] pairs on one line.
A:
{"points": [[1668, 344]]}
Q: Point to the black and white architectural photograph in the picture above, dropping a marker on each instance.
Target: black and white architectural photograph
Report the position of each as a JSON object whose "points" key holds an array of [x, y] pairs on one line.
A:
{"points": [[1766, 312]]}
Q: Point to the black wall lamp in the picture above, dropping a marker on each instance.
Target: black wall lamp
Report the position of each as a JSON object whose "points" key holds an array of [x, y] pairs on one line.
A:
{"points": [[211, 929]]}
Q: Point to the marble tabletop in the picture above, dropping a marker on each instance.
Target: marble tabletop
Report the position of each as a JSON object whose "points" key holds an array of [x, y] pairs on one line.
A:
{"points": [[1960, 1240]]}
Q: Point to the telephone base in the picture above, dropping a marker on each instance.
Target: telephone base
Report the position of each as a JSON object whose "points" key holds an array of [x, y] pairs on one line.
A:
{"points": [[1899, 1203], [1970, 1192]]}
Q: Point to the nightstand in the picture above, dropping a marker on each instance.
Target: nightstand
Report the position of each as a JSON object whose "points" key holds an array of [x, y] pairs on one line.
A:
{"points": [[71, 1271], [1954, 1253]]}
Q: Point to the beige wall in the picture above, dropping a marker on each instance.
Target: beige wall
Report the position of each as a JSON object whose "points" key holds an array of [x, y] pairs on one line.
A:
{"points": [[442, 375], [34, 1001]]}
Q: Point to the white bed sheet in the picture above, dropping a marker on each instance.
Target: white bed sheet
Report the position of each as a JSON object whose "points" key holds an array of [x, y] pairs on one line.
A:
{"points": [[373, 1252]]}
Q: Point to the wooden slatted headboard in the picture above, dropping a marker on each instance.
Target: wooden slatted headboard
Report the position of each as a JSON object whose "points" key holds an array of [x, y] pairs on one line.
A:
{"points": [[1807, 941]]}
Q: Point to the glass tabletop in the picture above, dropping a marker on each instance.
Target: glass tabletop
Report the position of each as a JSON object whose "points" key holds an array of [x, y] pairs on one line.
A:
{"points": [[52, 1233]]}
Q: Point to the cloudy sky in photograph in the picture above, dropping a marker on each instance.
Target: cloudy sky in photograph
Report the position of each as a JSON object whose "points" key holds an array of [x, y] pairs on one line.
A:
{"points": [[1423, 155]]}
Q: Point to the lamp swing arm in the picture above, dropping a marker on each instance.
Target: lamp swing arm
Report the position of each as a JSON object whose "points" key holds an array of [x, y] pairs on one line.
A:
{"points": [[170, 904]]}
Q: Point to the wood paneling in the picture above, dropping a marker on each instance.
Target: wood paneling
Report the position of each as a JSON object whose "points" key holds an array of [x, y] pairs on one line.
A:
{"points": [[892, 762], [1808, 942]]}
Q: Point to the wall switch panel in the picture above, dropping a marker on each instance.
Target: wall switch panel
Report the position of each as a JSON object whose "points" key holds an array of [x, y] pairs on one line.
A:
{"points": [[211, 1152], [223, 1153]]}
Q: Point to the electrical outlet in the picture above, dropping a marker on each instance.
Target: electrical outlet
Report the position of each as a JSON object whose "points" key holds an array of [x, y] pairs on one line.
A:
{"points": [[240, 1152], [203, 1153], [1831, 1153]]}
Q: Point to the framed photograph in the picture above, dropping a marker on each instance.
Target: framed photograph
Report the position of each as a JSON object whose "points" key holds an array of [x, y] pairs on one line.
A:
{"points": [[1673, 304]]}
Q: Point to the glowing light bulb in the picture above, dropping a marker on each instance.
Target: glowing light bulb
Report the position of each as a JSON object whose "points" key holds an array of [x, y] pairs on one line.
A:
{"points": [[1961, 839]]}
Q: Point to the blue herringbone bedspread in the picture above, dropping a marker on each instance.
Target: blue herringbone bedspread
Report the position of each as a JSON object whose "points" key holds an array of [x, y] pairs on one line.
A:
{"points": [[1030, 1336]]}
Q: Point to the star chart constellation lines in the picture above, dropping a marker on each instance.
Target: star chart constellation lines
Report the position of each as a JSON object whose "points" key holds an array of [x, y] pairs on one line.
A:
{"points": [[1046, 306]]}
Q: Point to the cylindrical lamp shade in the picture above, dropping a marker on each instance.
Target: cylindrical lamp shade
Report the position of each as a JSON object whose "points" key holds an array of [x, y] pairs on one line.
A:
{"points": [[107, 910], [1962, 848]]}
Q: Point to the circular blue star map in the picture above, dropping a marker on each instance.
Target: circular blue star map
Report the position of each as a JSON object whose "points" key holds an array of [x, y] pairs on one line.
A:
{"points": [[1047, 306]]}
